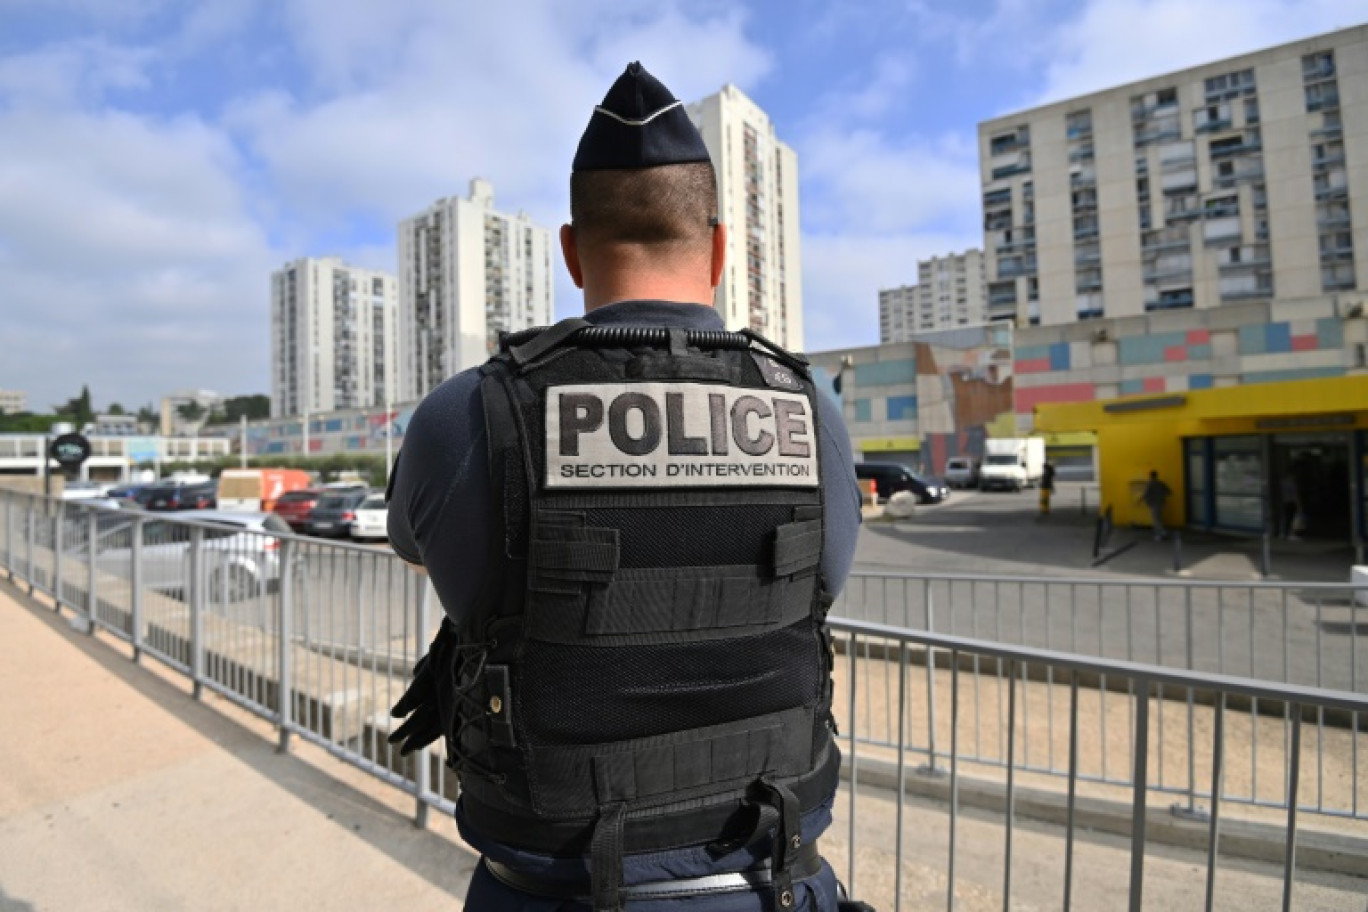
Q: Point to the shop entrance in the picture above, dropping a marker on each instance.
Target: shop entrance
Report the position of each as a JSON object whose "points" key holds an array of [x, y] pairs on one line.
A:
{"points": [[1310, 485]]}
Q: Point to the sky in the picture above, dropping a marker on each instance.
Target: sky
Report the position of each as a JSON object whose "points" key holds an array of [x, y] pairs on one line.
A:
{"points": [[159, 158]]}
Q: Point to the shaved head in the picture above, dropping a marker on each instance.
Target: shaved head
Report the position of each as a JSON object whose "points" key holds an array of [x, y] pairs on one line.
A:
{"points": [[670, 208]]}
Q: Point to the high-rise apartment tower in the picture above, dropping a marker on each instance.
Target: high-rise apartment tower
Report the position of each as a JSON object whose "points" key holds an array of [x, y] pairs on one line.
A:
{"points": [[332, 337], [1240, 180], [466, 273], [757, 187]]}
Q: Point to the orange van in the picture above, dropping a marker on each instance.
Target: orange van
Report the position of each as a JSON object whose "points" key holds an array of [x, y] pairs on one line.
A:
{"points": [[256, 490]]}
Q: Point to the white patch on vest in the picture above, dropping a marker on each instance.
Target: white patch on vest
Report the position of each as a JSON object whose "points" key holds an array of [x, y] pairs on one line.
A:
{"points": [[678, 435]]}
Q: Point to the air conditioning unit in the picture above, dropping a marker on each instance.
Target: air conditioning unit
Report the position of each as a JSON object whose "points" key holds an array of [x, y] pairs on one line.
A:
{"points": [[1100, 335], [1354, 311]]}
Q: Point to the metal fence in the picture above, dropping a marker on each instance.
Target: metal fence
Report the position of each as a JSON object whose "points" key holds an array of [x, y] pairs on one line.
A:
{"points": [[319, 637]]}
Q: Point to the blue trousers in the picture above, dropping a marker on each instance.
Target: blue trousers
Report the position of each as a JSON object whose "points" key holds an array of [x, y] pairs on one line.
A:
{"points": [[816, 894]]}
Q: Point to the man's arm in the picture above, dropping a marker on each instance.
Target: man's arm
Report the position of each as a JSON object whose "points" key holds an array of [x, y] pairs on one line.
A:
{"points": [[841, 493]]}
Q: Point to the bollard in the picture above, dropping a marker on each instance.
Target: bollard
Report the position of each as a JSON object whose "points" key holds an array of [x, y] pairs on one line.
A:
{"points": [[1177, 551], [1266, 559]]}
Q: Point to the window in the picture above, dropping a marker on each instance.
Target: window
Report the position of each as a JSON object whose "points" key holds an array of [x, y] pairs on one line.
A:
{"points": [[1320, 65]]}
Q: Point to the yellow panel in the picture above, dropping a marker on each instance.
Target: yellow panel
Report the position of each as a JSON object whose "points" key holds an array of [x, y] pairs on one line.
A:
{"points": [[885, 444]]}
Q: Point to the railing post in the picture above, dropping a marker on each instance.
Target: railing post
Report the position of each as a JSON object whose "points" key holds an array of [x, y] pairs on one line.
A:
{"points": [[196, 597], [58, 546], [1177, 551], [1266, 555], [1140, 785], [92, 599], [30, 532], [930, 768], [9, 537], [285, 644], [1293, 779], [135, 594], [422, 758]]}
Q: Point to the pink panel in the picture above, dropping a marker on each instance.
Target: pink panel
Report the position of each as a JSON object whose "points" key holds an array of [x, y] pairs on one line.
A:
{"points": [[1176, 353], [1027, 398], [1033, 366], [1305, 343], [1198, 336], [1154, 384]]}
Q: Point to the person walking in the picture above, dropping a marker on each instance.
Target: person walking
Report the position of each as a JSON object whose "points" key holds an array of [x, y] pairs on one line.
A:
{"points": [[1047, 484], [1292, 517], [635, 522], [1155, 497]]}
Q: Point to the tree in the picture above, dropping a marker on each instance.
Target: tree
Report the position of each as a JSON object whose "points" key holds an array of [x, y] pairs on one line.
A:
{"points": [[148, 415], [78, 410], [253, 407], [115, 409], [190, 411]]}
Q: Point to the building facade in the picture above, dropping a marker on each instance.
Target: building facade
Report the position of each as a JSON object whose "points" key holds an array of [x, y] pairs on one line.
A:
{"points": [[757, 187], [1236, 181], [332, 336], [466, 273], [951, 291], [13, 401], [920, 402]]}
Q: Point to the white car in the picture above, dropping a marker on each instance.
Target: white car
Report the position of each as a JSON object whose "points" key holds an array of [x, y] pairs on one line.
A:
{"points": [[371, 519], [239, 560]]}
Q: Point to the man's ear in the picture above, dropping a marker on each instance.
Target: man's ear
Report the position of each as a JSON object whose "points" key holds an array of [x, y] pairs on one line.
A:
{"points": [[719, 253], [570, 250]]}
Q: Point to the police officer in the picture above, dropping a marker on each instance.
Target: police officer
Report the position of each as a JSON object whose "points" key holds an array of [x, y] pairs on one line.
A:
{"points": [[635, 522]]}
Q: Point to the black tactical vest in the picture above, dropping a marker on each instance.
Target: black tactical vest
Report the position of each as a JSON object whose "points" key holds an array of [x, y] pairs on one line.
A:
{"points": [[648, 666]]}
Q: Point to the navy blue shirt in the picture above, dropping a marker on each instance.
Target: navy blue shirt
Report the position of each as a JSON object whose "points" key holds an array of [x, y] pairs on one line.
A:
{"points": [[440, 513]]}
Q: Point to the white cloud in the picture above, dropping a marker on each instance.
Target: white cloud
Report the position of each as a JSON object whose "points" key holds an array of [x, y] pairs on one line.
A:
{"points": [[1112, 42]]}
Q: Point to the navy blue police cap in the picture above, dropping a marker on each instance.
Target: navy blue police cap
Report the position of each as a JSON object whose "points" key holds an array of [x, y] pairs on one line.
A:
{"points": [[639, 125]]}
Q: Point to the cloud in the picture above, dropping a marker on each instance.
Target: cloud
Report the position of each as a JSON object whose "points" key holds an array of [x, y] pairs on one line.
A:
{"points": [[1112, 42]]}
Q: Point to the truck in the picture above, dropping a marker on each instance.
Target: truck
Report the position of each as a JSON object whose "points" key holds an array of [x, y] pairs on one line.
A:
{"points": [[1012, 463], [256, 490]]}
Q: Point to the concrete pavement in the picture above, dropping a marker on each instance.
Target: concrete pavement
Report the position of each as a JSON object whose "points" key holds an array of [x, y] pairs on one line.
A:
{"points": [[118, 791]]}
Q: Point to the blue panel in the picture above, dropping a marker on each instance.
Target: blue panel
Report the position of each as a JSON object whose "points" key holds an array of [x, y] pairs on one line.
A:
{"points": [[863, 411], [886, 373], [1278, 337], [1200, 381], [1032, 352], [1304, 373], [1059, 356], [1253, 340], [1199, 352], [902, 408], [332, 425], [1130, 387], [1330, 332]]}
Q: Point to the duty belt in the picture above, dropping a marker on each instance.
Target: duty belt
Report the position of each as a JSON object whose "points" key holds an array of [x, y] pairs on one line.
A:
{"points": [[805, 863]]}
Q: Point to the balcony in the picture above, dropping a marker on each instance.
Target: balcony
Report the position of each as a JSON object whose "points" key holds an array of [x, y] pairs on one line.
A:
{"points": [[1327, 161], [1011, 170], [1170, 301], [1084, 232], [1153, 275], [1328, 193], [1212, 126]]}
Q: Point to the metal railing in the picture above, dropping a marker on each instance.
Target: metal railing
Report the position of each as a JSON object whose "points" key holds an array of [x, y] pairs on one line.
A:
{"points": [[1081, 688]]}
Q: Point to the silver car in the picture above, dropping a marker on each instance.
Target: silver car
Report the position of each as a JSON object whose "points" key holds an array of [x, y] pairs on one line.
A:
{"points": [[240, 556]]}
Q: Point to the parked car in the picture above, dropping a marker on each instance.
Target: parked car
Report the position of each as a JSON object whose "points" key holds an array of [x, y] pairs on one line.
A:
{"points": [[334, 513], [197, 496], [372, 517], [962, 472], [890, 478], [236, 562], [257, 490], [295, 506]]}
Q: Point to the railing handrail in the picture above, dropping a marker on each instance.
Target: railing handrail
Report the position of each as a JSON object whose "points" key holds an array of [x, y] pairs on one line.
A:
{"points": [[1157, 674], [1109, 580]]}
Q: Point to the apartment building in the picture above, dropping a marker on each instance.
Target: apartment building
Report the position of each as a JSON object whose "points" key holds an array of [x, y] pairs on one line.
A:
{"points": [[757, 186], [1238, 181], [950, 292], [467, 272], [332, 337], [13, 401]]}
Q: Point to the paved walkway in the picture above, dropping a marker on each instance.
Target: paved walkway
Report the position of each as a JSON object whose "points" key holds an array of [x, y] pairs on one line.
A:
{"points": [[119, 792]]}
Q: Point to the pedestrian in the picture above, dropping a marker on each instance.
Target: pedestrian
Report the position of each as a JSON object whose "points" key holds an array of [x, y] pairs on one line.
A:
{"points": [[635, 522], [1155, 497], [1292, 516], [1047, 483]]}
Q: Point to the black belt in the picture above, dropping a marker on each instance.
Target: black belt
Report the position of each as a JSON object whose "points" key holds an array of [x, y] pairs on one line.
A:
{"points": [[805, 863]]}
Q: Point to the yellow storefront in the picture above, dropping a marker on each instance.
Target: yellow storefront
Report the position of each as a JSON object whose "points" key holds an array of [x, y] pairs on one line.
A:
{"points": [[1287, 457]]}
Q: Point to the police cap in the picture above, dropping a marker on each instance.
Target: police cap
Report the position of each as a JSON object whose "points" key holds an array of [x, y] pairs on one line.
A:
{"points": [[639, 125]]}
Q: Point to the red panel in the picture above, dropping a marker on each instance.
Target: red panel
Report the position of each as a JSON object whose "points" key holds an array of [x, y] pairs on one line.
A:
{"points": [[1027, 398], [1198, 336], [1306, 343], [1033, 366], [1175, 353], [1154, 384]]}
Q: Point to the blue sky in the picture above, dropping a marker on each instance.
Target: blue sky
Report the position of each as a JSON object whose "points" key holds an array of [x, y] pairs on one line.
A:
{"points": [[159, 158]]}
